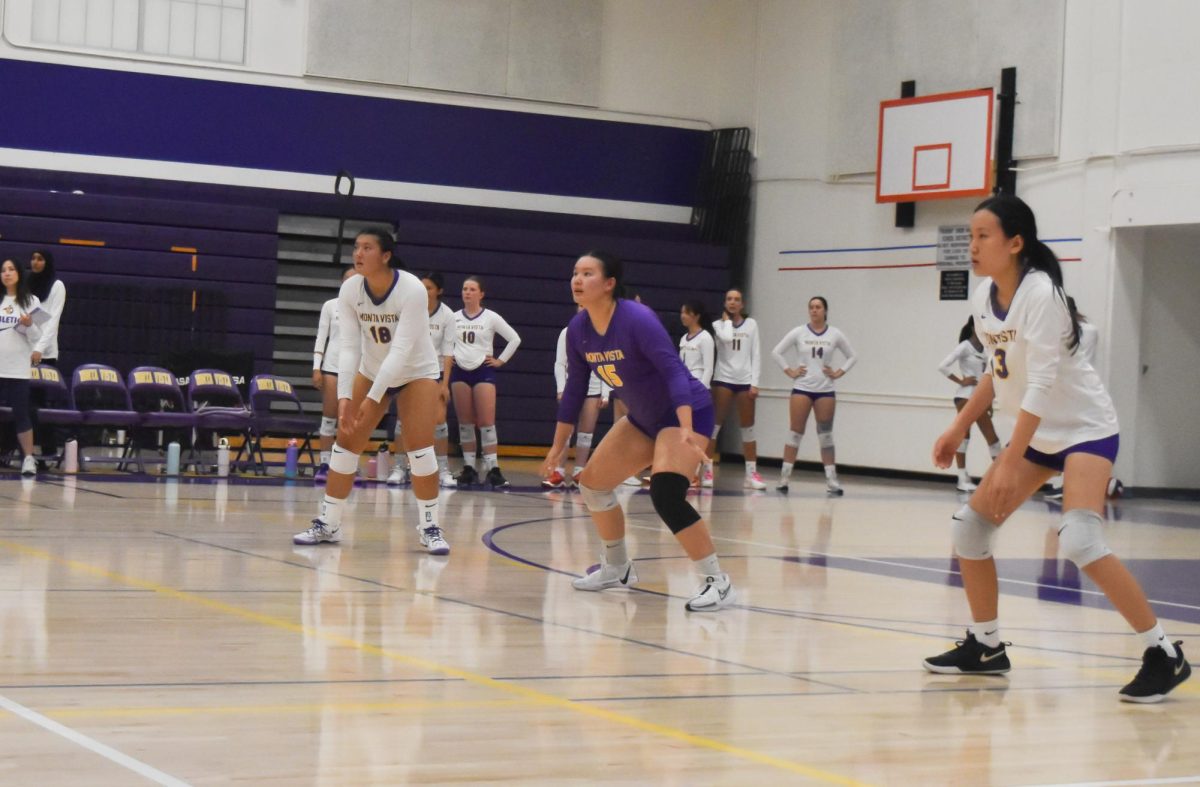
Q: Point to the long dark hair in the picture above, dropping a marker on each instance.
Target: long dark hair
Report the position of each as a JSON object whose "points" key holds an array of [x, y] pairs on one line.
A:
{"points": [[1016, 218], [40, 283], [22, 284], [612, 267], [697, 308], [968, 330]]}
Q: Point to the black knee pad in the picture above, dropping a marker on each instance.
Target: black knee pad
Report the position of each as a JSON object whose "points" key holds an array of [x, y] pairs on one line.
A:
{"points": [[668, 492]]}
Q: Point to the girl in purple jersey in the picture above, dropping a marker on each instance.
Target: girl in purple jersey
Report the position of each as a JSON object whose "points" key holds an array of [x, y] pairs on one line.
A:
{"points": [[667, 426]]}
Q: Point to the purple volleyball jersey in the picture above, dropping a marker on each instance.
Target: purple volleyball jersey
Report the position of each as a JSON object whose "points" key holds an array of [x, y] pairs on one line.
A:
{"points": [[636, 358]]}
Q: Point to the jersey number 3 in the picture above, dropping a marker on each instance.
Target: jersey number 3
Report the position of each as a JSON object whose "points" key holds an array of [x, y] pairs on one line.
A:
{"points": [[608, 373], [1000, 364]]}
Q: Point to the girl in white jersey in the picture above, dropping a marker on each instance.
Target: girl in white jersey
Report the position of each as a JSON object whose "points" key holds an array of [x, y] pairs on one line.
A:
{"points": [[385, 351], [813, 345], [595, 401], [971, 363], [441, 333], [698, 351], [50, 290], [735, 379], [473, 380], [325, 377], [1065, 421], [18, 336]]}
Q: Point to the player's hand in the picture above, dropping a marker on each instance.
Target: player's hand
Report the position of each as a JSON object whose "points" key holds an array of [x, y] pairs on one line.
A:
{"points": [[316, 378], [1000, 495], [793, 373], [690, 449], [495, 363], [444, 394], [753, 392], [551, 463], [801, 371], [25, 320], [945, 448], [36, 357], [969, 381], [558, 397], [832, 373], [603, 403]]}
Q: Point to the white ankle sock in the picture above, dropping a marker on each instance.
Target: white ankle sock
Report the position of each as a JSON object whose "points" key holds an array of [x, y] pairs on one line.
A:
{"points": [[1156, 637], [987, 632], [751, 467], [831, 472], [994, 449], [325, 457], [331, 512], [785, 472], [615, 553], [709, 566], [427, 513]]}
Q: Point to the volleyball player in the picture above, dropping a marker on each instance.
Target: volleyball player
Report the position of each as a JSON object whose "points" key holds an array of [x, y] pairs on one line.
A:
{"points": [[735, 380], [669, 417], [473, 380], [19, 334], [325, 377], [385, 351], [697, 350], [595, 401], [971, 362], [1065, 421], [814, 346]]}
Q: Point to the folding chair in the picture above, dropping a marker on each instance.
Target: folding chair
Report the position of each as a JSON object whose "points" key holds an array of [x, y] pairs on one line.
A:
{"points": [[155, 394], [58, 409], [102, 399], [288, 421], [217, 404]]}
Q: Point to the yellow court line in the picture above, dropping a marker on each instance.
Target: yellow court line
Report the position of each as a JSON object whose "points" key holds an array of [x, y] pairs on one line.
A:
{"points": [[236, 710], [532, 695]]}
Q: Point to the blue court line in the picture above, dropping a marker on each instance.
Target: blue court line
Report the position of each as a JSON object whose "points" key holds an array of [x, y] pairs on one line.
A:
{"points": [[520, 616], [845, 250]]}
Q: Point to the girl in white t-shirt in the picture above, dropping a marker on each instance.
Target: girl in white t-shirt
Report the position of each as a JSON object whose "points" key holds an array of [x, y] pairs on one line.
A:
{"points": [[969, 358], [325, 377], [735, 381], [18, 337], [1065, 421], [473, 380]]}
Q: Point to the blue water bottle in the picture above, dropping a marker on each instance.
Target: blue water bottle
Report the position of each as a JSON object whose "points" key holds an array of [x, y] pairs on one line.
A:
{"points": [[291, 465]]}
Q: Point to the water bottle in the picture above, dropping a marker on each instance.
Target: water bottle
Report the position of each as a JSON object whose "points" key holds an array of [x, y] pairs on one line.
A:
{"points": [[223, 458], [383, 464], [71, 456], [172, 458], [291, 464], [372, 467]]}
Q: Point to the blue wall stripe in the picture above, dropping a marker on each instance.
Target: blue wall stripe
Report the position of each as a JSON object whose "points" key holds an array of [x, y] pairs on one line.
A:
{"points": [[67, 109]]}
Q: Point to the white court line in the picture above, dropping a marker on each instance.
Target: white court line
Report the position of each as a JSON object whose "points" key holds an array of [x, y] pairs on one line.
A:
{"points": [[137, 766], [1175, 780]]}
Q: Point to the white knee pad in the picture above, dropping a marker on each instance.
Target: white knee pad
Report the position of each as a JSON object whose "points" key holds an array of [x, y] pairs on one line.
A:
{"points": [[794, 439], [441, 432], [748, 434], [716, 431], [596, 500], [328, 427], [972, 535], [423, 462], [466, 433], [487, 436], [962, 447], [343, 461], [1081, 537], [825, 434], [583, 440]]}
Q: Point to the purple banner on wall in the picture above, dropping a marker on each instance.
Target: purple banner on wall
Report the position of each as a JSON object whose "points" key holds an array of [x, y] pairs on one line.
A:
{"points": [[97, 112]]}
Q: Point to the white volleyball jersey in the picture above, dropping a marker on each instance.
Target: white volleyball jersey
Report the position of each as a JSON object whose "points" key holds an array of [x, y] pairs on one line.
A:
{"points": [[596, 386], [441, 330], [16, 340], [1089, 337], [56, 299], [738, 361], [814, 351], [391, 346], [1033, 370], [329, 338], [971, 363], [473, 337], [699, 355]]}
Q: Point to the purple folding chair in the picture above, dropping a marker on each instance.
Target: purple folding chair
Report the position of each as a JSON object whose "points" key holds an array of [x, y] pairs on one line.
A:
{"points": [[156, 394], [218, 407], [58, 409], [287, 419], [102, 399]]}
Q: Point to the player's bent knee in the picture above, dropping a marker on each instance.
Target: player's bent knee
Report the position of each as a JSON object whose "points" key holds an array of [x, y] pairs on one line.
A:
{"points": [[598, 499], [668, 492], [466, 433], [423, 462], [1081, 537], [794, 438], [343, 461], [972, 535]]}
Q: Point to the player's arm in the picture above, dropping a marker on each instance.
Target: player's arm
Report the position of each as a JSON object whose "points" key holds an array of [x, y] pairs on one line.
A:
{"points": [[350, 351], [708, 357], [509, 335]]}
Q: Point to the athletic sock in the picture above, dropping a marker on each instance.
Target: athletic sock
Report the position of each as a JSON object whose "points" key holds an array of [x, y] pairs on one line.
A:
{"points": [[994, 449], [331, 511], [751, 468], [615, 553], [708, 567], [427, 513], [1157, 638], [785, 471], [325, 457], [987, 632], [831, 472]]}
